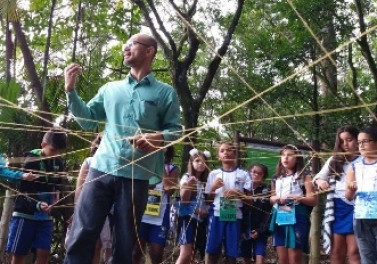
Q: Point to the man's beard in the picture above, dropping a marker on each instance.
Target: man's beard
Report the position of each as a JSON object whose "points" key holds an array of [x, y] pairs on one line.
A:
{"points": [[126, 63]]}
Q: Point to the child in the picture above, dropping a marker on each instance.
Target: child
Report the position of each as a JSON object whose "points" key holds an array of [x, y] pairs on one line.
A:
{"points": [[290, 222], [155, 223], [31, 225], [192, 208], [225, 187], [256, 217], [361, 183], [12, 175], [104, 241], [337, 232]]}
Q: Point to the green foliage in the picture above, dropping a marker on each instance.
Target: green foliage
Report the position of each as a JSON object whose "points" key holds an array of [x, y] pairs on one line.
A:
{"points": [[9, 91], [271, 43], [13, 139]]}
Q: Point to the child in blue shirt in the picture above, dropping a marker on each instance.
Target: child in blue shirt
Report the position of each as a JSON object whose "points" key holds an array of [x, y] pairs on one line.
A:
{"points": [[12, 175], [31, 224]]}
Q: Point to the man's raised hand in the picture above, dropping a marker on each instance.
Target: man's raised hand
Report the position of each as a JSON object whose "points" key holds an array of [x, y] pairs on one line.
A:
{"points": [[70, 75]]}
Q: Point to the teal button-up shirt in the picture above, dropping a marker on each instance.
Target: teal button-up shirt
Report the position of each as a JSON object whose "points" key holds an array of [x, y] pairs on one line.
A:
{"points": [[129, 107]]}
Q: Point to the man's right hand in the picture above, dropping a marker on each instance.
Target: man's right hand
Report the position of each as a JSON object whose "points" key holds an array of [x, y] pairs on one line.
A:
{"points": [[70, 75]]}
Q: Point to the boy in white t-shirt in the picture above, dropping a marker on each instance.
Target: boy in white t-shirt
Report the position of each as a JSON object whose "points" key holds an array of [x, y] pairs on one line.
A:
{"points": [[225, 187], [361, 180]]}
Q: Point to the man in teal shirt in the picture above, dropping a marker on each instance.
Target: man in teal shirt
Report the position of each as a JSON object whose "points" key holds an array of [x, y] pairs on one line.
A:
{"points": [[140, 114]]}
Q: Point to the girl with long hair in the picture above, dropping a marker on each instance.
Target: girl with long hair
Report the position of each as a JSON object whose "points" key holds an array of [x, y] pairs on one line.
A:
{"points": [[337, 232], [292, 192], [192, 208]]}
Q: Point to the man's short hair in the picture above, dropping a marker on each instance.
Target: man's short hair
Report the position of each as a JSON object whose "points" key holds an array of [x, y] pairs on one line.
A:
{"points": [[56, 139]]}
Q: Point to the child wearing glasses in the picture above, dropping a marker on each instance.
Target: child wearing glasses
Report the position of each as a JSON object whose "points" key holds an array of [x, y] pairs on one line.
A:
{"points": [[361, 183], [256, 217], [290, 221]]}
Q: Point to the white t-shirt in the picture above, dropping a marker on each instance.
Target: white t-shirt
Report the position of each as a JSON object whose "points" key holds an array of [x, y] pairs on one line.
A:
{"points": [[366, 180], [366, 175], [289, 185], [88, 160], [196, 202], [158, 192], [236, 179], [157, 219], [340, 185]]}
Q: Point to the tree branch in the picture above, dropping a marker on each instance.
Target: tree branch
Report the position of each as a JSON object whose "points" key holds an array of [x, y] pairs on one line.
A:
{"points": [[215, 63], [171, 52], [354, 73], [193, 39], [363, 42], [46, 56], [30, 67]]}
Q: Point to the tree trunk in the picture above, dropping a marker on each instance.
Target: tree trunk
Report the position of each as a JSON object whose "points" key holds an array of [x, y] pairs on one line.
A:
{"points": [[77, 26], [354, 82], [4, 222], [47, 50], [190, 117], [36, 84], [315, 218], [9, 52], [328, 65], [315, 247], [364, 45]]}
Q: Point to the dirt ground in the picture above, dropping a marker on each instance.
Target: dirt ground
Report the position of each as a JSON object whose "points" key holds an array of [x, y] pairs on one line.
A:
{"points": [[172, 252]]}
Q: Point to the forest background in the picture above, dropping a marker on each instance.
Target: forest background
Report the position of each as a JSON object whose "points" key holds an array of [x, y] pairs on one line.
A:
{"points": [[289, 71]]}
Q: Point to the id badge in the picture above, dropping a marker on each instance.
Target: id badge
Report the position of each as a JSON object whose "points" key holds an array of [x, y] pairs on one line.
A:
{"points": [[366, 205], [285, 215], [228, 210], [154, 202]]}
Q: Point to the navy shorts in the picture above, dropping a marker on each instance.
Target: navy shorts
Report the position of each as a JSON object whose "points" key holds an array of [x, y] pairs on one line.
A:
{"points": [[254, 247], [227, 231], [25, 234], [155, 233]]}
